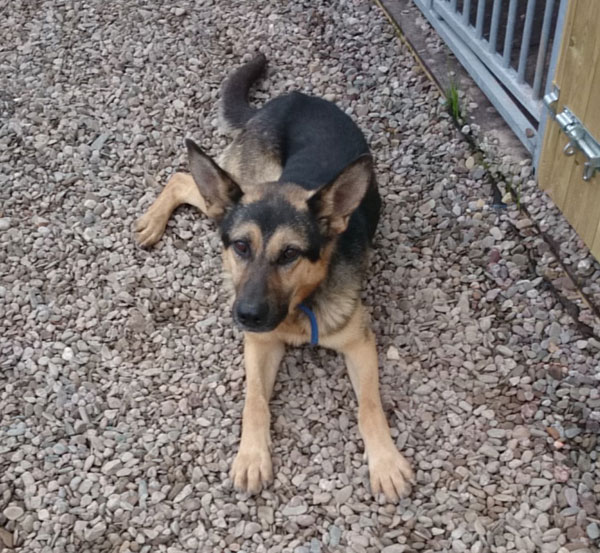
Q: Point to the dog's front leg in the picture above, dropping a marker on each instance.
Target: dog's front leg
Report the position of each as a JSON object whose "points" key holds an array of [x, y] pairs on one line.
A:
{"points": [[389, 471], [252, 466]]}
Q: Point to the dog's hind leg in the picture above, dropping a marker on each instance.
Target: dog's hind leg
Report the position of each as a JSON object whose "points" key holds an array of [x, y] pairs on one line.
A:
{"points": [[180, 189]]}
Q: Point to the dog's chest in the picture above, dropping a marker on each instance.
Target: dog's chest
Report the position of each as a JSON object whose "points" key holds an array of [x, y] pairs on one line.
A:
{"points": [[295, 330]]}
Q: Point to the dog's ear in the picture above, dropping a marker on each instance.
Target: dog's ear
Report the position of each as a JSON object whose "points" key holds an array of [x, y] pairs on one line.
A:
{"points": [[335, 202], [217, 187]]}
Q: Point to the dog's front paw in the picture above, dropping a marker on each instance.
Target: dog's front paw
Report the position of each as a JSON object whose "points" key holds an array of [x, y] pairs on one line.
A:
{"points": [[252, 469], [149, 228], [390, 473]]}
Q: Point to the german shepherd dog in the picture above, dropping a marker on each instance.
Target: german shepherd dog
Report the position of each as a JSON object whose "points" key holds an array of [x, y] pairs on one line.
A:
{"points": [[297, 205]]}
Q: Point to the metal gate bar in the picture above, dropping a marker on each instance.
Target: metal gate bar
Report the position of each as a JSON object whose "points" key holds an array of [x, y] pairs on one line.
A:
{"points": [[525, 43], [494, 27], [480, 14], [510, 33], [487, 50], [466, 11], [562, 14], [539, 65]]}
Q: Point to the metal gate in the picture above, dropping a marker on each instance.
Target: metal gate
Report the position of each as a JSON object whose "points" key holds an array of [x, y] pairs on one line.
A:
{"points": [[510, 48]]}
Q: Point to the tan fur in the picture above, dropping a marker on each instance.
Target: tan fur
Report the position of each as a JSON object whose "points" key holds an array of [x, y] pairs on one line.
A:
{"points": [[254, 192], [180, 189], [389, 471], [283, 237], [250, 232], [235, 275], [333, 308], [307, 275], [342, 320], [334, 305], [296, 195], [252, 467], [294, 283], [263, 166]]}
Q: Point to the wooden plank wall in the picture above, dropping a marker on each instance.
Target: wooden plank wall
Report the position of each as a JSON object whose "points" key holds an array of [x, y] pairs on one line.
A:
{"points": [[578, 77]]}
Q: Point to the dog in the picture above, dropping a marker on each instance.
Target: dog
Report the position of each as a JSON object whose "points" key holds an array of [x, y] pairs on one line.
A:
{"points": [[297, 205]]}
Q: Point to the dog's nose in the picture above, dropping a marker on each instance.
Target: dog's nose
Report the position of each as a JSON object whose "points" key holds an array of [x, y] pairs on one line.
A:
{"points": [[252, 314]]}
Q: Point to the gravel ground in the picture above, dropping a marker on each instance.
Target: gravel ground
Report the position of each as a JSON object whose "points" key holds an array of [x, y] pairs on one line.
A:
{"points": [[509, 167], [121, 379]]}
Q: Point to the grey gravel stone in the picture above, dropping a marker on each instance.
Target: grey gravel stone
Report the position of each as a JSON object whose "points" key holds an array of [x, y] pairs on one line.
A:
{"points": [[294, 510], [112, 467], [593, 531], [80, 528], [544, 504], [250, 529], [489, 451], [95, 532], [341, 496], [13, 512], [394, 549], [122, 372], [392, 354], [504, 350], [183, 494], [6, 538], [334, 535], [265, 514]]}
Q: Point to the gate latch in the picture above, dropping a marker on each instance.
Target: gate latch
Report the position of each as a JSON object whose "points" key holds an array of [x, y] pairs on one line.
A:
{"points": [[579, 137]]}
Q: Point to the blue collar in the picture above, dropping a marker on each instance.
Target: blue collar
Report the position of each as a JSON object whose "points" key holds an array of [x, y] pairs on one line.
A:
{"points": [[314, 327]]}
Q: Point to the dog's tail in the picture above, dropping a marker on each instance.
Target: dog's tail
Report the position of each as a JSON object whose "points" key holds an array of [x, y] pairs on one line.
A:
{"points": [[235, 110]]}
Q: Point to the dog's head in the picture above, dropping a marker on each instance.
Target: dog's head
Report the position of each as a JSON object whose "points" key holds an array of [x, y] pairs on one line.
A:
{"points": [[278, 238]]}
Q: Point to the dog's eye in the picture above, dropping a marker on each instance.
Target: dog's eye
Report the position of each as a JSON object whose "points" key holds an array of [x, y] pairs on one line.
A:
{"points": [[241, 248], [288, 255]]}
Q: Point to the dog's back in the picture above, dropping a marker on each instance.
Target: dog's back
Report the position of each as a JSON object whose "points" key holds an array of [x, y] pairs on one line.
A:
{"points": [[310, 140]]}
